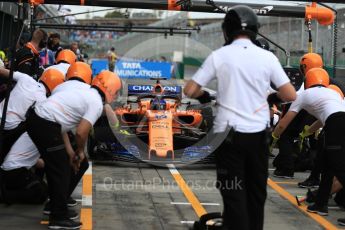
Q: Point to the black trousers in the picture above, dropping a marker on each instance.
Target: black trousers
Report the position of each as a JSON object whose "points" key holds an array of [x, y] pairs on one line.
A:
{"points": [[9, 138], [318, 161], [340, 198], [242, 171], [47, 137], [84, 165], [285, 160], [23, 186], [76, 177], [333, 156]]}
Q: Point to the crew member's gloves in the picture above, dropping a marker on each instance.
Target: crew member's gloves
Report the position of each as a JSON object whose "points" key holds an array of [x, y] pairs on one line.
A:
{"points": [[305, 133], [273, 99], [115, 126], [274, 142], [204, 98], [124, 132]]}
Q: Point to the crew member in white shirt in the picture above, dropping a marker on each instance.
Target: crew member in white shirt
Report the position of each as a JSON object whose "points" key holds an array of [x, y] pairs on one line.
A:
{"points": [[285, 160], [63, 61], [74, 105], [26, 92], [327, 106], [20, 184], [244, 73]]}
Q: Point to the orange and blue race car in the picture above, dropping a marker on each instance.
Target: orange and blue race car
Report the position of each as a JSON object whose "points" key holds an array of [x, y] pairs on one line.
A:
{"points": [[155, 125]]}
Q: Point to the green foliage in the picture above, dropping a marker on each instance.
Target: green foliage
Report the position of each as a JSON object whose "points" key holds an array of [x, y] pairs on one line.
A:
{"points": [[114, 14]]}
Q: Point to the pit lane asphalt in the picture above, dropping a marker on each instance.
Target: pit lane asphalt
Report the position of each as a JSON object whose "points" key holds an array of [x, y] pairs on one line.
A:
{"points": [[138, 196]]}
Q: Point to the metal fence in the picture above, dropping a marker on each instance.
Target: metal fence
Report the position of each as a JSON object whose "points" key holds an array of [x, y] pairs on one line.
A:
{"points": [[290, 33], [146, 46]]}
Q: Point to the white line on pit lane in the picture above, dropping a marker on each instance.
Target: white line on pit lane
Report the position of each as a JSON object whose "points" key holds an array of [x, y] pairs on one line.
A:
{"points": [[187, 203], [86, 201], [89, 170], [187, 221], [172, 169]]}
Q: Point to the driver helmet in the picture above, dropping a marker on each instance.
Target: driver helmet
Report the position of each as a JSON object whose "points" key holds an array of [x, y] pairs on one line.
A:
{"points": [[158, 104]]}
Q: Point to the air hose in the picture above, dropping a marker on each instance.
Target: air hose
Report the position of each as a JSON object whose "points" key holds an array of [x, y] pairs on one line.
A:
{"points": [[335, 37], [335, 46], [310, 40]]}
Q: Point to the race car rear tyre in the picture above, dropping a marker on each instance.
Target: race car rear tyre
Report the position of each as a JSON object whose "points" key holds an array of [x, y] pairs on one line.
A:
{"points": [[102, 130]]}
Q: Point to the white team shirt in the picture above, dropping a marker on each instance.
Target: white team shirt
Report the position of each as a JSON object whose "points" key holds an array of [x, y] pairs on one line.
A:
{"points": [[22, 96], [244, 73], [62, 67], [271, 90], [320, 102], [301, 89], [70, 102], [22, 154]]}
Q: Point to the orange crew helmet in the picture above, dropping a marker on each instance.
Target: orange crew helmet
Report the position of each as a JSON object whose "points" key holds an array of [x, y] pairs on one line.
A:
{"points": [[309, 61], [337, 89], [80, 71], [108, 83], [316, 77], [67, 56], [52, 78]]}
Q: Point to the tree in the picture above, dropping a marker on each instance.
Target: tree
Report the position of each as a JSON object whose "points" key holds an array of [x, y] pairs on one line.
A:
{"points": [[114, 14]]}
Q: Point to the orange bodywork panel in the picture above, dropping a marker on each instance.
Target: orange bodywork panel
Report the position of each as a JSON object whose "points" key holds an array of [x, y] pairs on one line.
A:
{"points": [[161, 133]]}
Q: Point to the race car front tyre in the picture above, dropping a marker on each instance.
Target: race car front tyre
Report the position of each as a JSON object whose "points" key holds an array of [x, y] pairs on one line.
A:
{"points": [[207, 115], [91, 144]]}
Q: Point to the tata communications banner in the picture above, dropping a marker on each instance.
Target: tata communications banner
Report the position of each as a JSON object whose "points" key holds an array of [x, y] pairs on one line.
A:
{"points": [[138, 69]]}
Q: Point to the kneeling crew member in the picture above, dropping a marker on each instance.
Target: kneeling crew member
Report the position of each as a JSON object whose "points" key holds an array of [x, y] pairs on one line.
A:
{"points": [[20, 184]]}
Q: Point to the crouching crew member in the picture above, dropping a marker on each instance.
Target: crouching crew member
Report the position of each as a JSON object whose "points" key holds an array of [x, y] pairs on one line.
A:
{"points": [[285, 160], [63, 60], [244, 72], [20, 184], [326, 105], [72, 106], [26, 92], [309, 61]]}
